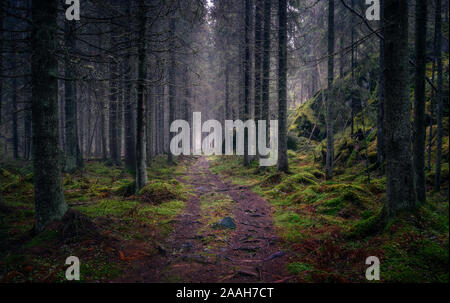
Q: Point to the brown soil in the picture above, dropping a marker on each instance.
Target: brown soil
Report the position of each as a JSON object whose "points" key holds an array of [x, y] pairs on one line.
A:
{"points": [[251, 254]]}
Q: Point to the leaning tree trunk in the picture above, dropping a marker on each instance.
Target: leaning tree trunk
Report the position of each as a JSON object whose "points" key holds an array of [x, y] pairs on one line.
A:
{"points": [[419, 100], [397, 111], [141, 169], [329, 107], [73, 157], [438, 33], [49, 199], [282, 94]]}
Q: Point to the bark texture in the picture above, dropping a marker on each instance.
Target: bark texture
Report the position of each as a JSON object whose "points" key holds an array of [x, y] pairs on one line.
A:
{"points": [[141, 168], [329, 106], [419, 99], [73, 159], [397, 109], [282, 83], [438, 55], [49, 199]]}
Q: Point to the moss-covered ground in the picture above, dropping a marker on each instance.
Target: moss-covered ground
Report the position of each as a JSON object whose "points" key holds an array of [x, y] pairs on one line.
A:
{"points": [[332, 226], [130, 225]]}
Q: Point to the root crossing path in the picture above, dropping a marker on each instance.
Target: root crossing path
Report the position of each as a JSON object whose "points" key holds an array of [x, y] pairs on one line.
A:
{"points": [[198, 251]]}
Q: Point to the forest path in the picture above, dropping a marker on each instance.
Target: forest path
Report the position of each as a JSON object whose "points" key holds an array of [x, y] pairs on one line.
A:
{"points": [[198, 250]]}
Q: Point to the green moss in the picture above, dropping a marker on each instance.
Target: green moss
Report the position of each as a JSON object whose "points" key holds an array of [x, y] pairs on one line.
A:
{"points": [[420, 261], [272, 179], [377, 186], [311, 194], [43, 238], [317, 173], [126, 189], [432, 218], [291, 225], [286, 187], [215, 207], [332, 206], [351, 159], [299, 267], [303, 178], [108, 208], [158, 191], [160, 216], [431, 175], [369, 226], [98, 269]]}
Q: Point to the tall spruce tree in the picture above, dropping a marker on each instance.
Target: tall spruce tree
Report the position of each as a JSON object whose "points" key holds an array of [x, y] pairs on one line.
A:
{"points": [[49, 200]]}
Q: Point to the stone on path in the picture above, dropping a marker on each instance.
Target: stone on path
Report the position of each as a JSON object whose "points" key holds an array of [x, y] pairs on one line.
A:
{"points": [[227, 222]]}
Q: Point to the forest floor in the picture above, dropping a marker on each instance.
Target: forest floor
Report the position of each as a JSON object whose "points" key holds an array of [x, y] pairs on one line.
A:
{"points": [[295, 227], [201, 250]]}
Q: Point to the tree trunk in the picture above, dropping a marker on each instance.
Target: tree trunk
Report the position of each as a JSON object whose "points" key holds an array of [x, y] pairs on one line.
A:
{"points": [[380, 111], [113, 102], [432, 104], [172, 88], [266, 64], [258, 63], [49, 199], [129, 122], [149, 127], [141, 169], [73, 159], [419, 100], [1, 88], [329, 107], [282, 94], [227, 91], [246, 77], [397, 110], [119, 122], [352, 101], [103, 130], [438, 33], [15, 133], [80, 111]]}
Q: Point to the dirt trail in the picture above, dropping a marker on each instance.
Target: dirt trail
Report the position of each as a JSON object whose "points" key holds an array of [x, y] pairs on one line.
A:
{"points": [[250, 253]]}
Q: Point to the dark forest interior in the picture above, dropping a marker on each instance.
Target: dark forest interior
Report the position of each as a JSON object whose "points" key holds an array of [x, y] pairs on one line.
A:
{"points": [[86, 168]]}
